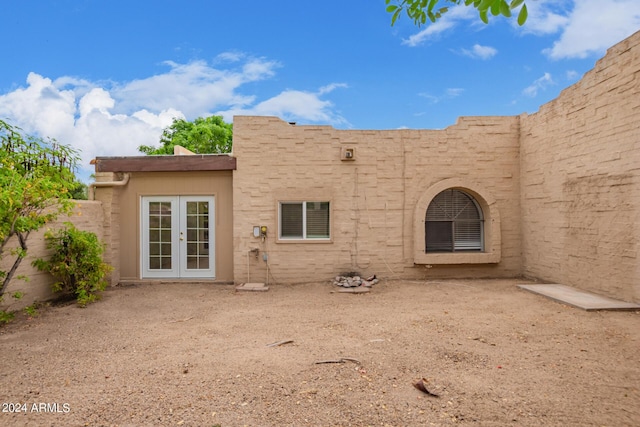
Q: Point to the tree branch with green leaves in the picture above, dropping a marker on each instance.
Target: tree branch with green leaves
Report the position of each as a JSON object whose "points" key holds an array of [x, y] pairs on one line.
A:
{"points": [[36, 179], [421, 10]]}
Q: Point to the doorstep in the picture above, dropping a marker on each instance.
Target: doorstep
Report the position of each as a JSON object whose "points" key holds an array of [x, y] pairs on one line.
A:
{"points": [[252, 287]]}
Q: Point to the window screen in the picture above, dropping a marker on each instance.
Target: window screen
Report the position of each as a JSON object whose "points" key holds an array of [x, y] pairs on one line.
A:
{"points": [[317, 220], [453, 223], [304, 220], [291, 220]]}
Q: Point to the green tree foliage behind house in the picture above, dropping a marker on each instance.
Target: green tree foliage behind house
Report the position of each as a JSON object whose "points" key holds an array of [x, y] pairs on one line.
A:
{"points": [[205, 135]]}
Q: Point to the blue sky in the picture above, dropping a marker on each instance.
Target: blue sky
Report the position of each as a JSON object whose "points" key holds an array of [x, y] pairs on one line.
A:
{"points": [[108, 76]]}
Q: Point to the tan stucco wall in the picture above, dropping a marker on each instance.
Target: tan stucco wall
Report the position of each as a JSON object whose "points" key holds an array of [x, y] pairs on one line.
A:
{"points": [[581, 180], [122, 206], [373, 198], [86, 215]]}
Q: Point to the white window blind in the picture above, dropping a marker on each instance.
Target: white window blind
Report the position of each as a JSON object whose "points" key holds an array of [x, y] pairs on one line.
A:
{"points": [[453, 222], [317, 220]]}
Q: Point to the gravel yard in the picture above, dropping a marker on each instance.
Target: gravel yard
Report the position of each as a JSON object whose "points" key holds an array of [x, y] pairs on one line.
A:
{"points": [[200, 355]]}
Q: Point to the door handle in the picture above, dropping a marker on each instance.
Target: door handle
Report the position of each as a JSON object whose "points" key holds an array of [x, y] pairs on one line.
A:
{"points": [[181, 235]]}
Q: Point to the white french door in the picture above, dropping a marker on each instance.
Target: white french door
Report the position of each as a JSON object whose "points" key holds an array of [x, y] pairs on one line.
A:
{"points": [[178, 236]]}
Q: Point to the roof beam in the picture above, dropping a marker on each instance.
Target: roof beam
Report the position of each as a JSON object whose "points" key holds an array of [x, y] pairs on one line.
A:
{"points": [[198, 162]]}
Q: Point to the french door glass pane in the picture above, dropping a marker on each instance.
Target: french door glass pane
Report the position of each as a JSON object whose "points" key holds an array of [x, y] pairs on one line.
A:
{"points": [[160, 236], [197, 236]]}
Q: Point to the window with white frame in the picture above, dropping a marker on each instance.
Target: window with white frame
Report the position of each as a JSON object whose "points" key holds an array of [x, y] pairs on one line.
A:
{"points": [[304, 221], [453, 223]]}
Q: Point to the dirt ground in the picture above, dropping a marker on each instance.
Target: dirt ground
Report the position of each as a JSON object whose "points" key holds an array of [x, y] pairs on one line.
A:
{"points": [[199, 355]]}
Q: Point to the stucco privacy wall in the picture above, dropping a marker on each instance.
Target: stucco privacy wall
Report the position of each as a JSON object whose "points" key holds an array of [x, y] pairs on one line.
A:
{"points": [[581, 180], [86, 215], [374, 228]]}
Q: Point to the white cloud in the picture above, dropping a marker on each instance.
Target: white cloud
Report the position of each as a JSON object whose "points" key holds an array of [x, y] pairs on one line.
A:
{"points": [[331, 87], [113, 119], [39, 105], [539, 84], [80, 117], [545, 16], [97, 99], [480, 52], [194, 88], [454, 92], [449, 93], [595, 25], [448, 21], [572, 75], [230, 57], [429, 32], [158, 120], [294, 105]]}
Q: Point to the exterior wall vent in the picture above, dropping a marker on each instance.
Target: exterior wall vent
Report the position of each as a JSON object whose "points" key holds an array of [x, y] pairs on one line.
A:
{"points": [[347, 154]]}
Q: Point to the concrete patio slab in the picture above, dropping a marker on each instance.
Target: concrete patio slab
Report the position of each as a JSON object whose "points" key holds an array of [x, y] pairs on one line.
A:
{"points": [[578, 298], [356, 290], [252, 287]]}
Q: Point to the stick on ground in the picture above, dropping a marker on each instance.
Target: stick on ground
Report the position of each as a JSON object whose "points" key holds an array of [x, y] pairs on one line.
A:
{"points": [[341, 360], [276, 344], [181, 320]]}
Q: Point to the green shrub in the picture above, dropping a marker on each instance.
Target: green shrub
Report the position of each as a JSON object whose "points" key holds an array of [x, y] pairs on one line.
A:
{"points": [[76, 262], [6, 316], [31, 310]]}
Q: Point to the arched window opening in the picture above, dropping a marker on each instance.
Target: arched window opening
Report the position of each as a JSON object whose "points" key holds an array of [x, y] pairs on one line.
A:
{"points": [[454, 223]]}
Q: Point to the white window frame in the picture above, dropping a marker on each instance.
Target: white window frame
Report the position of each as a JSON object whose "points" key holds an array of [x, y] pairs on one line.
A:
{"points": [[304, 222], [178, 241]]}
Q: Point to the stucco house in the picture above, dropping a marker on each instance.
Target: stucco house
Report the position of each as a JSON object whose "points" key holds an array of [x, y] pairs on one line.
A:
{"points": [[553, 195]]}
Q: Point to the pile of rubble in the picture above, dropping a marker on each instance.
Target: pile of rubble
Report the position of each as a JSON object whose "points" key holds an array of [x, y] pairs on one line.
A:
{"points": [[355, 281]]}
